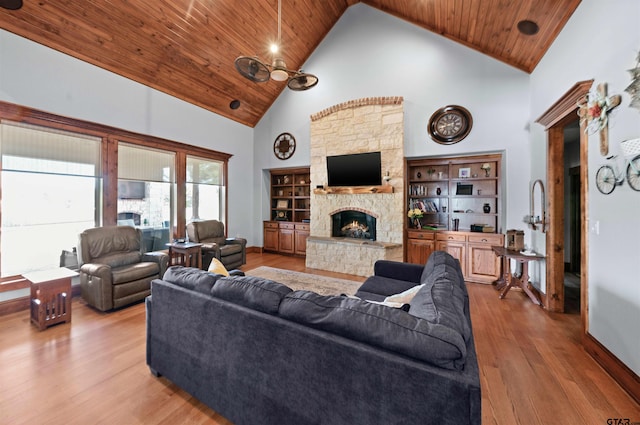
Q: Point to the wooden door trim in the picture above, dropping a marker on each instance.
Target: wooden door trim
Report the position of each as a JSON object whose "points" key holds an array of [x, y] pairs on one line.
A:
{"points": [[554, 119]]}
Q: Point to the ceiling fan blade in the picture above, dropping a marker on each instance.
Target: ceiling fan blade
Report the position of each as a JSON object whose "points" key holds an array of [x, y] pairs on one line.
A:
{"points": [[252, 69], [302, 81]]}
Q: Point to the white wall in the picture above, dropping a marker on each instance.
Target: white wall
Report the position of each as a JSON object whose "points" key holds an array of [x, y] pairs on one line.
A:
{"points": [[601, 41], [369, 53], [38, 77]]}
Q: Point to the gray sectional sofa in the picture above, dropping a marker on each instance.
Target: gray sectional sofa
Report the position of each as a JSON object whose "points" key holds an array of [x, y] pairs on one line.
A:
{"points": [[259, 353]]}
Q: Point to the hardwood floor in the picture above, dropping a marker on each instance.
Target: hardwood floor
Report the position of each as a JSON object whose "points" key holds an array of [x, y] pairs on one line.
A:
{"points": [[93, 370]]}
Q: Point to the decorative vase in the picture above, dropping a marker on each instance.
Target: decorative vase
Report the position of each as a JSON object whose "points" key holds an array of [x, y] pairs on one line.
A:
{"points": [[486, 208], [438, 191]]}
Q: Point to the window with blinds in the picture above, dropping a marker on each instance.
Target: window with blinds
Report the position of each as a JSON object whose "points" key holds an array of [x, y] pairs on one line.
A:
{"points": [[146, 192], [205, 189], [51, 191]]}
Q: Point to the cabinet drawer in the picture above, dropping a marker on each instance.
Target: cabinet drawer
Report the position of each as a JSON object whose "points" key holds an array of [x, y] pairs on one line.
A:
{"points": [[488, 238], [451, 237], [420, 235], [270, 225], [289, 226], [302, 227]]}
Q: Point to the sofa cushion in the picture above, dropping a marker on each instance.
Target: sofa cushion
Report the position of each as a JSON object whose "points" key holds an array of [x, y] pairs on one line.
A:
{"points": [[441, 300], [378, 325], [137, 271], [119, 259], [383, 286], [251, 292], [191, 278], [442, 257]]}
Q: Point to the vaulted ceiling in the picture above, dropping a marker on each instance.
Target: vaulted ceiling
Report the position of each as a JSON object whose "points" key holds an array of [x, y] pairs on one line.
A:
{"points": [[187, 48]]}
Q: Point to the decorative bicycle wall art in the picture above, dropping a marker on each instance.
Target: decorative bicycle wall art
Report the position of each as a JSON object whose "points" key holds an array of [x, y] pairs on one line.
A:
{"points": [[611, 175]]}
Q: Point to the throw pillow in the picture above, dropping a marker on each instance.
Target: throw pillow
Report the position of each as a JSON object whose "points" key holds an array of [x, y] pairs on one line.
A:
{"points": [[404, 297], [217, 267]]}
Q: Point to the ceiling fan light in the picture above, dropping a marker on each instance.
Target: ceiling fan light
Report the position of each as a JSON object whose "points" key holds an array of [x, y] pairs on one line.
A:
{"points": [[279, 70]]}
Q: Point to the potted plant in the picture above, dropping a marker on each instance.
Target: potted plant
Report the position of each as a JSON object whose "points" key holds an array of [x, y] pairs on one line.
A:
{"points": [[415, 214]]}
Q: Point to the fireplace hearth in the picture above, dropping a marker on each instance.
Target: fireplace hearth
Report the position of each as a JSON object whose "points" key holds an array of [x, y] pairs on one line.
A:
{"points": [[353, 224]]}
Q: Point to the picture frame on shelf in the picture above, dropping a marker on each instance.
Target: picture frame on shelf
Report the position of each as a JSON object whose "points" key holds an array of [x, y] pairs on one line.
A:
{"points": [[464, 173], [282, 204]]}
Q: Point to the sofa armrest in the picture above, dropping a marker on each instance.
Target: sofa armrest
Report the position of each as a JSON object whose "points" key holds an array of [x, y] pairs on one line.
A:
{"points": [[158, 257], [102, 271], [240, 241], [397, 270], [96, 285]]}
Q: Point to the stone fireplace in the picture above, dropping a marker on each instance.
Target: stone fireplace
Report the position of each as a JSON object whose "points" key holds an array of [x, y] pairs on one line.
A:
{"points": [[353, 223], [358, 126]]}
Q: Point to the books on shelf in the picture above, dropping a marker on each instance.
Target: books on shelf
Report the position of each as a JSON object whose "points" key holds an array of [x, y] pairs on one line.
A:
{"points": [[426, 206]]}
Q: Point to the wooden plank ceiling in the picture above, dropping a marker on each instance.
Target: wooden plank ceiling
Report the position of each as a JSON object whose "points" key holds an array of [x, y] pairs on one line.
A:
{"points": [[187, 48]]}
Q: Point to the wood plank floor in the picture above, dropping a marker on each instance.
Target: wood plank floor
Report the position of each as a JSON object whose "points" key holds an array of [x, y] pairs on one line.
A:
{"points": [[93, 371]]}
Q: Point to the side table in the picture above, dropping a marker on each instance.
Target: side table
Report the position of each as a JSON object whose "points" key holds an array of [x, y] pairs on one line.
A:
{"points": [[188, 254], [50, 296], [506, 282]]}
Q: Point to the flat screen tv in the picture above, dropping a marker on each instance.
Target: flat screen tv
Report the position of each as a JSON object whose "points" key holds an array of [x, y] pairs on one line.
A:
{"points": [[128, 189], [361, 169]]}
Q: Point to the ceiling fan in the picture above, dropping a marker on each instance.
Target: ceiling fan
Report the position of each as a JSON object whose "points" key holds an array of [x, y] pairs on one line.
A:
{"points": [[257, 71]]}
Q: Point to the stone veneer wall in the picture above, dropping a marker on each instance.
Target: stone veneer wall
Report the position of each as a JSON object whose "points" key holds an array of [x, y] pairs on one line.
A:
{"points": [[358, 126]]}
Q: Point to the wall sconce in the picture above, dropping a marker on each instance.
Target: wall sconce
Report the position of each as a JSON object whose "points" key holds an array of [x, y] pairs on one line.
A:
{"points": [[386, 177], [534, 220]]}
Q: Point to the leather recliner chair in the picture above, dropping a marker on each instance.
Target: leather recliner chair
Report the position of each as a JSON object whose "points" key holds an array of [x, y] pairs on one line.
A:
{"points": [[210, 233], [114, 271]]}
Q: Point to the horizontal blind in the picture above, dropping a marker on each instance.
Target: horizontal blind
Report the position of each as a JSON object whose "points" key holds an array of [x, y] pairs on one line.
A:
{"points": [[31, 148], [145, 164], [204, 171]]}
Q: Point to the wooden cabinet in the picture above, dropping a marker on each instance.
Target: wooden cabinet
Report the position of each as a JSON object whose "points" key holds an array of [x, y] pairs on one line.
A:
{"points": [[300, 235], [290, 210], [420, 245], [285, 237], [462, 191], [271, 239]]}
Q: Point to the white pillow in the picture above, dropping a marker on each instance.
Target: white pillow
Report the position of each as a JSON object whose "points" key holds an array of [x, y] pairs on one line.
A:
{"points": [[404, 297]]}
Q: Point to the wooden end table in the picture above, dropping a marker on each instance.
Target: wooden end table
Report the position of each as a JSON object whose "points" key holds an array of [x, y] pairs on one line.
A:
{"points": [[508, 280], [188, 254], [50, 296]]}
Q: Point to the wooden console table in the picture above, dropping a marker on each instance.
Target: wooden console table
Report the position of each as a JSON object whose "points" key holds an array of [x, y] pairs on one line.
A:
{"points": [[188, 254], [508, 280]]}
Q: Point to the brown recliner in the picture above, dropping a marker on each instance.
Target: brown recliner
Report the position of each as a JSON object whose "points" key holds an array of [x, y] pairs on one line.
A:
{"points": [[113, 270], [210, 233]]}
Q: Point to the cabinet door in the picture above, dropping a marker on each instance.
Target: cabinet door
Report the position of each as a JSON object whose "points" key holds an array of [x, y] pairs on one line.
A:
{"points": [[301, 242], [483, 264], [457, 250], [286, 241], [270, 239], [419, 250]]}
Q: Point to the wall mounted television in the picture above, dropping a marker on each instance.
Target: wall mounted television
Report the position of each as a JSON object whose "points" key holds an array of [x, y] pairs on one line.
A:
{"points": [[361, 169], [128, 189]]}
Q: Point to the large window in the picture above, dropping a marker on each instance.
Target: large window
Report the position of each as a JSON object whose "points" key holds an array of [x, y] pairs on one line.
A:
{"points": [[60, 176], [51, 192], [146, 192], [205, 190]]}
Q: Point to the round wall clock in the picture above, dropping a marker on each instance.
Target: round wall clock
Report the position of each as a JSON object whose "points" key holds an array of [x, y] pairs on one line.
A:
{"points": [[450, 124], [284, 146]]}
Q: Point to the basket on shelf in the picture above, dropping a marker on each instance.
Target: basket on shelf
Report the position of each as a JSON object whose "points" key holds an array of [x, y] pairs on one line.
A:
{"points": [[630, 148]]}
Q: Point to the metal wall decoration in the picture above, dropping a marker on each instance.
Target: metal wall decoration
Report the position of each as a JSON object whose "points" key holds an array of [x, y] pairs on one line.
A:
{"points": [[634, 88]]}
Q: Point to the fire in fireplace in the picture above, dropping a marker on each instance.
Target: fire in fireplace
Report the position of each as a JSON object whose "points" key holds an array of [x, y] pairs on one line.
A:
{"points": [[353, 224]]}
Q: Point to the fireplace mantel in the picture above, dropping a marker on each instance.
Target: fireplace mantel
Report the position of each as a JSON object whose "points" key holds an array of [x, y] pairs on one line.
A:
{"points": [[353, 190]]}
